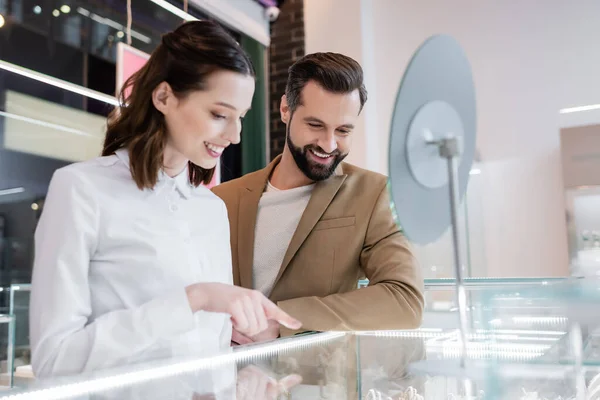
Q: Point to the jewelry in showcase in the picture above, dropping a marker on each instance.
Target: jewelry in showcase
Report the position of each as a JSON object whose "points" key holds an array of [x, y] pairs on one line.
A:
{"points": [[535, 396], [594, 388], [285, 395], [409, 394], [480, 396]]}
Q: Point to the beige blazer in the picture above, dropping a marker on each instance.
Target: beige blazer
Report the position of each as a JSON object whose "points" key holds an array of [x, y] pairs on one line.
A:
{"points": [[346, 233]]}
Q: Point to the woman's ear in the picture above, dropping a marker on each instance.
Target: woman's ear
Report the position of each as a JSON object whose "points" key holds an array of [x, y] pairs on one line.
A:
{"points": [[163, 98]]}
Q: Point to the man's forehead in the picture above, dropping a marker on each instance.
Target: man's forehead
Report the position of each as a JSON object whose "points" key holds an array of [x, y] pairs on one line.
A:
{"points": [[313, 89], [316, 100]]}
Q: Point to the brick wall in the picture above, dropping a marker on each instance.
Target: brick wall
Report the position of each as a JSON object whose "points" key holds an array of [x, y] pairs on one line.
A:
{"points": [[287, 45]]}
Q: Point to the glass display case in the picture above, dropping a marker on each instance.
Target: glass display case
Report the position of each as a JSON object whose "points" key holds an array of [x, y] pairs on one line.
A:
{"points": [[440, 297], [568, 306], [521, 345], [333, 365], [19, 295], [7, 334]]}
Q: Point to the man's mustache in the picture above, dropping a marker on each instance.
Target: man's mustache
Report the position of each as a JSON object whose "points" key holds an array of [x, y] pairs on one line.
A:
{"points": [[336, 152]]}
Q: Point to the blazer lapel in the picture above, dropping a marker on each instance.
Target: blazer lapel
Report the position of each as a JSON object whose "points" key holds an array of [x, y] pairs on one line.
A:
{"points": [[250, 196], [321, 197]]}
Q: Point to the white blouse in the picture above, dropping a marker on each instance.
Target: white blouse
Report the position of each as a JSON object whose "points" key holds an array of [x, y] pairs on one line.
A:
{"points": [[111, 266]]}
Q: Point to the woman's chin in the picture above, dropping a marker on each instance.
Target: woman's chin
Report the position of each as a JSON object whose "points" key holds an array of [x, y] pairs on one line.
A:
{"points": [[205, 164]]}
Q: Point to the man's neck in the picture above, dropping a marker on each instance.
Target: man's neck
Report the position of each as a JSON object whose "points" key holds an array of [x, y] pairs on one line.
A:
{"points": [[287, 175]]}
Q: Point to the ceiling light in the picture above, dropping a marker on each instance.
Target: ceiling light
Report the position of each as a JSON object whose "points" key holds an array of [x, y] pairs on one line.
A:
{"points": [[5, 192], [2, 21], [112, 24], [50, 80], [580, 108], [35, 206], [37, 10], [174, 10], [65, 9], [83, 12], [56, 13], [120, 34]]}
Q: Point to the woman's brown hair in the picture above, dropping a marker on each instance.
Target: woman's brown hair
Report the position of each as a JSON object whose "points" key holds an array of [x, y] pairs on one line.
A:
{"points": [[184, 59]]}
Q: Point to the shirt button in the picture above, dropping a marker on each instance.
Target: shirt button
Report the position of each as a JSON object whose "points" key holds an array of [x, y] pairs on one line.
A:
{"points": [[173, 207]]}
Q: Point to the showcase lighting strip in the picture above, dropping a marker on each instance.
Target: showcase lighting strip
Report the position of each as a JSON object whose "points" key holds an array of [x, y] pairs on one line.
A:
{"points": [[541, 320], [482, 351], [521, 332], [137, 377], [580, 109], [424, 333], [174, 10], [514, 338], [59, 83]]}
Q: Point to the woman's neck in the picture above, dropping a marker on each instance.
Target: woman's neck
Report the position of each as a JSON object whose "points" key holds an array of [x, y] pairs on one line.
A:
{"points": [[173, 162]]}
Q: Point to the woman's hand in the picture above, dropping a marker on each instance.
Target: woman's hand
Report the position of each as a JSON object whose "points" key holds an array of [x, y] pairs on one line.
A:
{"points": [[271, 333], [250, 310], [255, 384]]}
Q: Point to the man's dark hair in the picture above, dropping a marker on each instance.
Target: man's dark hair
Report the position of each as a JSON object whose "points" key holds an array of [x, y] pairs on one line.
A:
{"points": [[334, 72]]}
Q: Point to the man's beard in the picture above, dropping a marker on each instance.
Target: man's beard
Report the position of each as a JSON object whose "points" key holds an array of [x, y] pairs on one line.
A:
{"points": [[311, 169]]}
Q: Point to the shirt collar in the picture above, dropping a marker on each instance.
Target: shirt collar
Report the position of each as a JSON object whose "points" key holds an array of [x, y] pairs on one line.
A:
{"points": [[181, 180]]}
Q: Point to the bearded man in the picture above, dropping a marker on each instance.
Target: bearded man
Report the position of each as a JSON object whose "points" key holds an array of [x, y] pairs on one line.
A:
{"points": [[307, 227]]}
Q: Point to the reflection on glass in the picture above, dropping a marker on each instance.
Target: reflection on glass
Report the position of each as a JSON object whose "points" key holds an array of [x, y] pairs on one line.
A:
{"points": [[301, 365], [503, 364], [19, 295], [94, 27]]}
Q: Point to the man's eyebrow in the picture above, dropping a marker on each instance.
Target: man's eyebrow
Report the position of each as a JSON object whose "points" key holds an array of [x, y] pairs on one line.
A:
{"points": [[317, 120], [314, 119]]}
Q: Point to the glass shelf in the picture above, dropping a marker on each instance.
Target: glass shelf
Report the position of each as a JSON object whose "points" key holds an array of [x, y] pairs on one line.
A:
{"points": [[570, 305], [19, 296], [361, 365], [450, 283], [376, 365], [488, 282], [7, 333]]}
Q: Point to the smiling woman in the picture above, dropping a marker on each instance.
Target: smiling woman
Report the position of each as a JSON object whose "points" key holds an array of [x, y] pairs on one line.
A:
{"points": [[141, 265], [174, 84]]}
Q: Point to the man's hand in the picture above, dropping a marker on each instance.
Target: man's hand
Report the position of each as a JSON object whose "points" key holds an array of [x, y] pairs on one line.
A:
{"points": [[271, 333]]}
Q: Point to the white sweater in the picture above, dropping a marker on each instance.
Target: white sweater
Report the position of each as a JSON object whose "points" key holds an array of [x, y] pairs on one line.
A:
{"points": [[279, 212]]}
